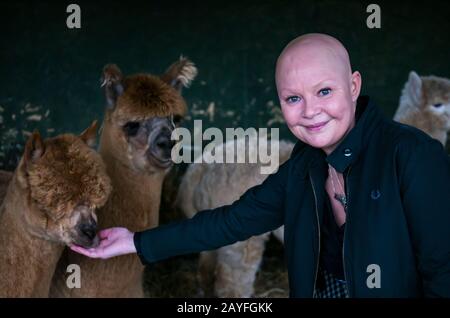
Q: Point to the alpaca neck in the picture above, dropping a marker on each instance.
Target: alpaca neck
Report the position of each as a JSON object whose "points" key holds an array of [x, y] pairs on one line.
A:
{"points": [[135, 199], [27, 261]]}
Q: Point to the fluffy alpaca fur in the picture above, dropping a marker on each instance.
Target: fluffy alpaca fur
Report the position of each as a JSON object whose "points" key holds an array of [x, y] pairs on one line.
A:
{"points": [[135, 145], [231, 270], [50, 201], [425, 104], [5, 178]]}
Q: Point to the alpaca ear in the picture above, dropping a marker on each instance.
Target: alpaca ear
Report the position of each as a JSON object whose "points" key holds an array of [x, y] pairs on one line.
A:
{"points": [[180, 74], [34, 148], [89, 135], [413, 88], [112, 82]]}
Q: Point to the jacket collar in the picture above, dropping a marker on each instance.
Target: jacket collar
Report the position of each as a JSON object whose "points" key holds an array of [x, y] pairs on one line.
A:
{"points": [[368, 117]]}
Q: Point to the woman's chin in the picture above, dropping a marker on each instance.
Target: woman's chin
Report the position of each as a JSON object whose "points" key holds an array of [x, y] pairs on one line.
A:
{"points": [[325, 141], [320, 143]]}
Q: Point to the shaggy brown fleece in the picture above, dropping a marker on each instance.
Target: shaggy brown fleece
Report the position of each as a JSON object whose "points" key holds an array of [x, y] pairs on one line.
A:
{"points": [[57, 185], [5, 178], [137, 181], [69, 173], [147, 96]]}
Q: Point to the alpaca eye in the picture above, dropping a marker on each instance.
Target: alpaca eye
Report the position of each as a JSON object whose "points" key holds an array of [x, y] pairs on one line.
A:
{"points": [[131, 128], [437, 105], [177, 119]]}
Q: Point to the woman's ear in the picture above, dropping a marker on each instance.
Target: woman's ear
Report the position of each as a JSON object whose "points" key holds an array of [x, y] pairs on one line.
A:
{"points": [[355, 87]]}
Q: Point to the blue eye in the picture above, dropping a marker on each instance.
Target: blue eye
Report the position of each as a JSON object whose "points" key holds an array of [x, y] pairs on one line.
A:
{"points": [[325, 91], [437, 105], [292, 99]]}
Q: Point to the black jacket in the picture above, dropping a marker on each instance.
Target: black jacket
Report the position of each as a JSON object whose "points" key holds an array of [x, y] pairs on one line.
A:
{"points": [[398, 218]]}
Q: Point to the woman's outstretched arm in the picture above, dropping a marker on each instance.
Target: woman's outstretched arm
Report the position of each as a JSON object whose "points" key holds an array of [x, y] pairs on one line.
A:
{"points": [[260, 209]]}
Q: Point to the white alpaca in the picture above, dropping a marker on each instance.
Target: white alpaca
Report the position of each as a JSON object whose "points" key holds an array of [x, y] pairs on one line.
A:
{"points": [[425, 104], [231, 270]]}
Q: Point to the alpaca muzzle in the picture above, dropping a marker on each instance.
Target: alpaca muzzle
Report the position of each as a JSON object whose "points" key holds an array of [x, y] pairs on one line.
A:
{"points": [[87, 233]]}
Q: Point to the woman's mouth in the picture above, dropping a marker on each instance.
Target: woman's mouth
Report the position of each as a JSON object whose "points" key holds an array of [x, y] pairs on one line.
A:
{"points": [[316, 126]]}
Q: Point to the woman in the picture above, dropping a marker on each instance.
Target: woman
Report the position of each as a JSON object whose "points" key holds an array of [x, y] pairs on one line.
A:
{"points": [[365, 201]]}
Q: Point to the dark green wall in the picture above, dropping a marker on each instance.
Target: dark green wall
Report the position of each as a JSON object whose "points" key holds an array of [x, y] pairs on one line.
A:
{"points": [[234, 44]]}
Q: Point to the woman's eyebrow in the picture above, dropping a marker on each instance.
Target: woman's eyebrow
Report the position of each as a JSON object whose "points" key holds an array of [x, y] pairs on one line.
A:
{"points": [[288, 91], [323, 82], [292, 91]]}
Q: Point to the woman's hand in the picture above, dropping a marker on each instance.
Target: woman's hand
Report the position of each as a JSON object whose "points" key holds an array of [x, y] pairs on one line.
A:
{"points": [[113, 242]]}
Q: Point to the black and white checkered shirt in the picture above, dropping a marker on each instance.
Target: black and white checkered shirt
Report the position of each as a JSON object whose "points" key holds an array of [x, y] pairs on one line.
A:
{"points": [[329, 286]]}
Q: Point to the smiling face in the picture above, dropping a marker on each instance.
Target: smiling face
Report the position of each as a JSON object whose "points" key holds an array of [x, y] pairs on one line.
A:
{"points": [[317, 90]]}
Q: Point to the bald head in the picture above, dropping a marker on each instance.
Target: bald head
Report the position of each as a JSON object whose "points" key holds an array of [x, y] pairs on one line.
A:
{"points": [[314, 48], [317, 90]]}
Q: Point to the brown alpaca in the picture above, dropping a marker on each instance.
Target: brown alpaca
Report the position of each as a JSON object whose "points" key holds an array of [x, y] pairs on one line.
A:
{"points": [[425, 104], [50, 201], [136, 147], [5, 178]]}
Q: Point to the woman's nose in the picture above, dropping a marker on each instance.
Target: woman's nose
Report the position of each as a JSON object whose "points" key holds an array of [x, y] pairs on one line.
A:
{"points": [[310, 109]]}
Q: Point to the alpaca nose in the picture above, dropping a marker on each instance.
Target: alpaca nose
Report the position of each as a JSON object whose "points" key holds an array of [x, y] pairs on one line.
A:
{"points": [[89, 229], [165, 142], [164, 145]]}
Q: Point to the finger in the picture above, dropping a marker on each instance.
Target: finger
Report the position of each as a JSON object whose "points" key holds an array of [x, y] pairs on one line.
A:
{"points": [[78, 249], [104, 234], [90, 253], [103, 244]]}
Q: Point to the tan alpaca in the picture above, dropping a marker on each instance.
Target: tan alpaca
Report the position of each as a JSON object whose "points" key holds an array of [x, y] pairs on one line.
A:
{"points": [[231, 270], [425, 104], [50, 201], [136, 147]]}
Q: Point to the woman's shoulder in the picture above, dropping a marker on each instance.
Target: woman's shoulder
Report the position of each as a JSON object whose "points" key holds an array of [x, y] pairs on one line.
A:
{"points": [[403, 135], [410, 150]]}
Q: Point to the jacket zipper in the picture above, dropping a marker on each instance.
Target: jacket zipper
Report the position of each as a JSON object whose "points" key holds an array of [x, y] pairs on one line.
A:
{"points": [[347, 282], [318, 231]]}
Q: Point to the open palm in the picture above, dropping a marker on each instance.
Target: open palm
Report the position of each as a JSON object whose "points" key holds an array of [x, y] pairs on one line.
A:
{"points": [[113, 242]]}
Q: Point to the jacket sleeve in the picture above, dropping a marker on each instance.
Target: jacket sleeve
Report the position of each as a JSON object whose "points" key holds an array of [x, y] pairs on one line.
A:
{"points": [[258, 210], [426, 198]]}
